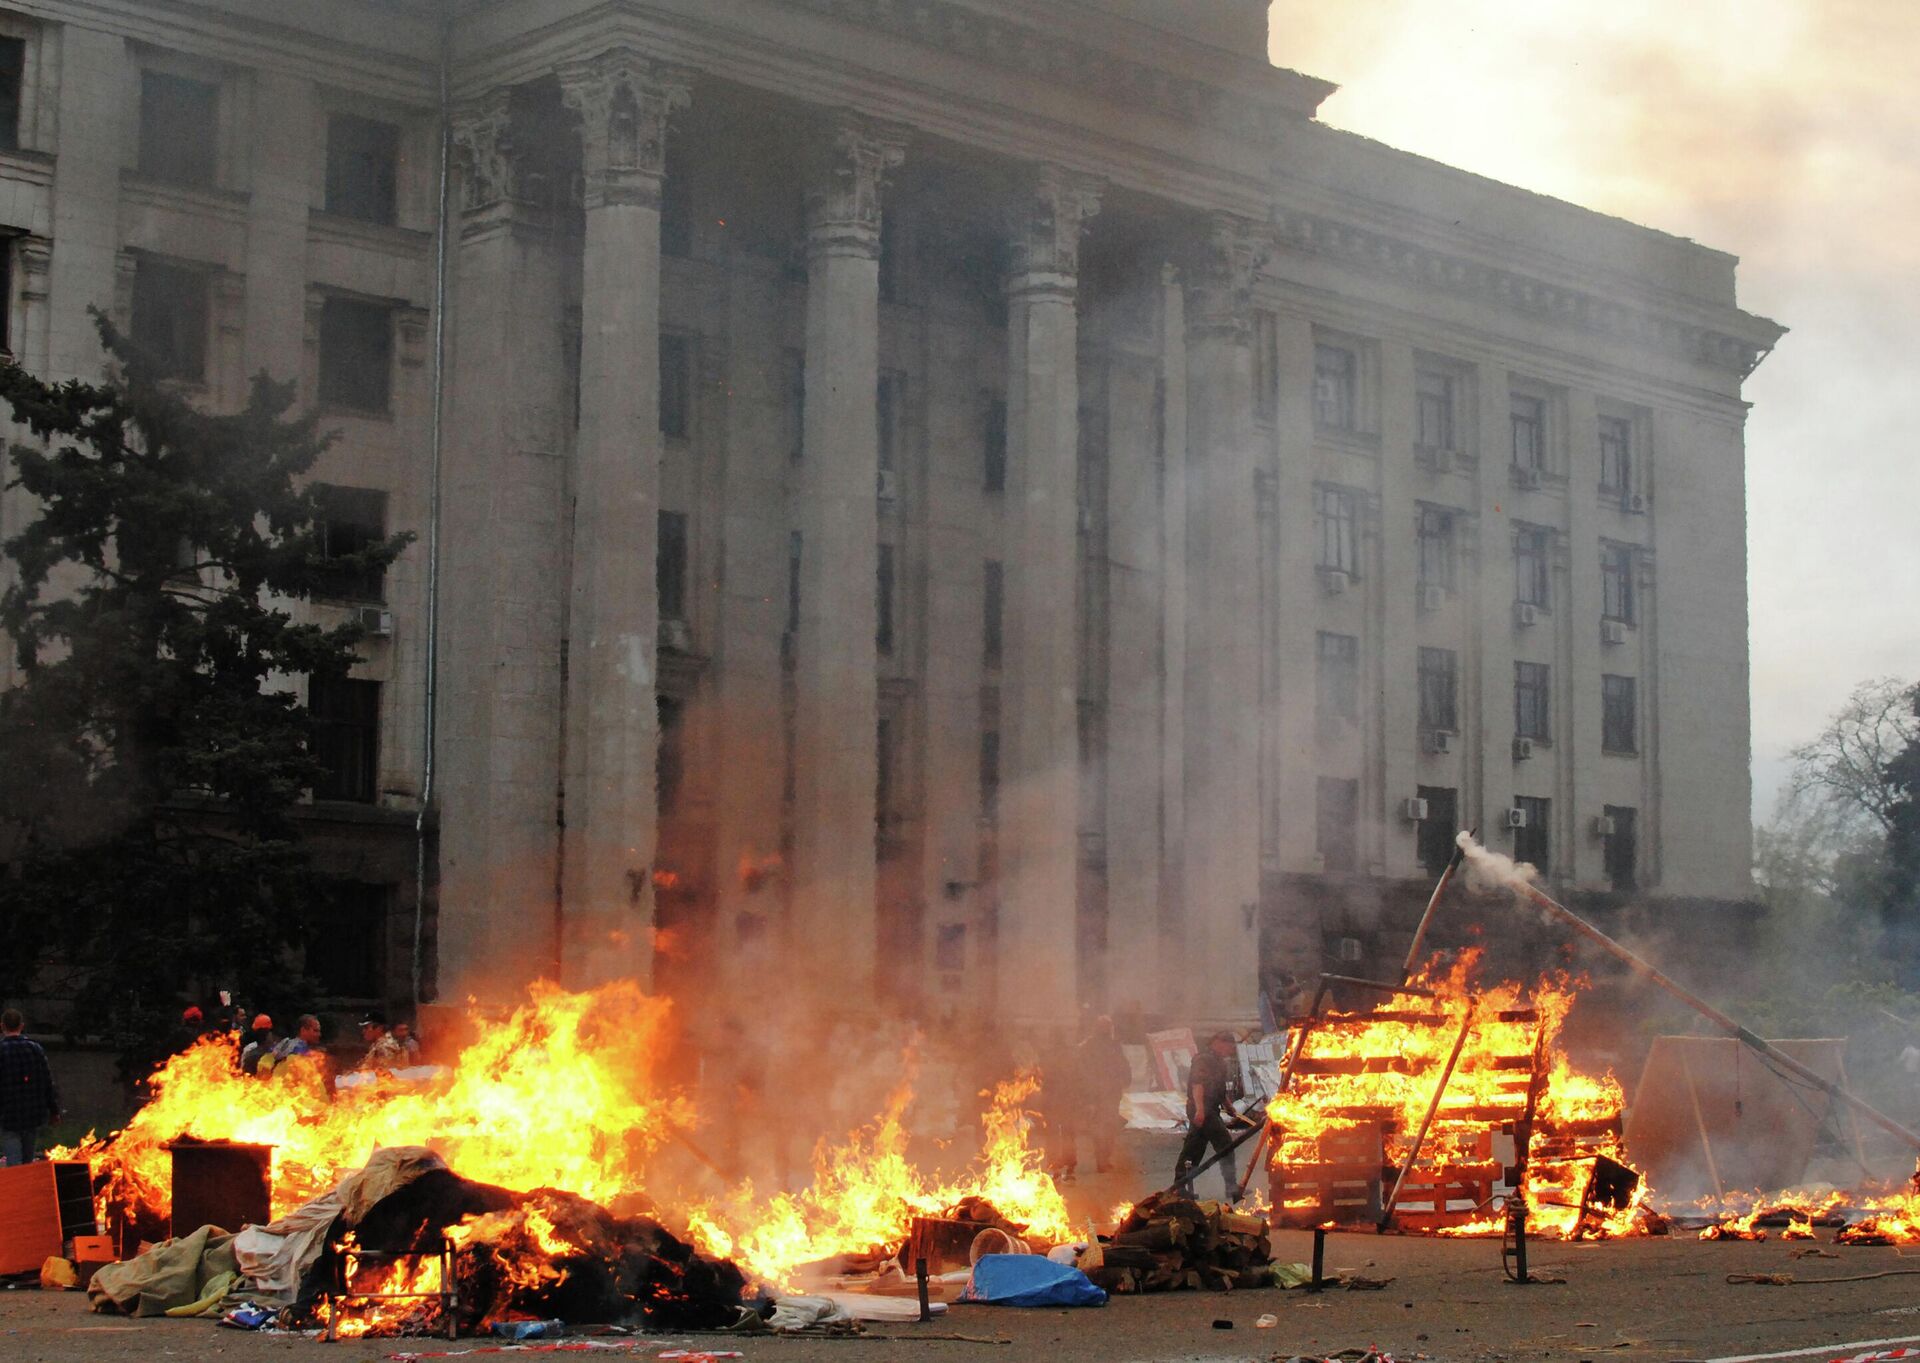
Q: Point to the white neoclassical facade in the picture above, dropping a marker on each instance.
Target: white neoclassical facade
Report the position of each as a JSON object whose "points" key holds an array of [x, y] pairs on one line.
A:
{"points": [[984, 505]]}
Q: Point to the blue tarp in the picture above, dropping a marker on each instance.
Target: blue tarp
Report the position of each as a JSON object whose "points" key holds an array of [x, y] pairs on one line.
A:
{"points": [[1029, 1280]]}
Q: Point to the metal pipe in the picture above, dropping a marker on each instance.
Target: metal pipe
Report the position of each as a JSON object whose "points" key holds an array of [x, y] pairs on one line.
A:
{"points": [[1712, 1014], [1433, 902], [1426, 1122], [1319, 1259], [437, 441]]}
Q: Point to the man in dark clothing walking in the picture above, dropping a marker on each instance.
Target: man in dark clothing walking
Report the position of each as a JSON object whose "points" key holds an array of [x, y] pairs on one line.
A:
{"points": [[1209, 1111], [28, 1100]]}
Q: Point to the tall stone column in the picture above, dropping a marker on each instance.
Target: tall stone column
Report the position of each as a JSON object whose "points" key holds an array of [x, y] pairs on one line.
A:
{"points": [[836, 664], [1222, 776], [1040, 841], [503, 539], [612, 731]]}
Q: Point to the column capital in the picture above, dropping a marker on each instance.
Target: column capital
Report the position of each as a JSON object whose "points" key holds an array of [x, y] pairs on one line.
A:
{"points": [[1220, 272], [851, 158], [623, 101], [482, 131], [1045, 225]]}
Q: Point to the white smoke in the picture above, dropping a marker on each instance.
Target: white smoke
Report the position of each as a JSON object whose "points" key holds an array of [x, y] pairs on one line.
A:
{"points": [[1490, 870]]}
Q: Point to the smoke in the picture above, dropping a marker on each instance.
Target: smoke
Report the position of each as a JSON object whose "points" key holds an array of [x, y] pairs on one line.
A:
{"points": [[1490, 870]]}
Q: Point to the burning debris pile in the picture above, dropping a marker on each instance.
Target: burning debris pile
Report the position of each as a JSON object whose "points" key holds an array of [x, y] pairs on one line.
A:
{"points": [[1425, 1110], [1168, 1241]]}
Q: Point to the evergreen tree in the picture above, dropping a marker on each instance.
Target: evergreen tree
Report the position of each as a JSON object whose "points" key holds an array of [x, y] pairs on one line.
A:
{"points": [[154, 745]]}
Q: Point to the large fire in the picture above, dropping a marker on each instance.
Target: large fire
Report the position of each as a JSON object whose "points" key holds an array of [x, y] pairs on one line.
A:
{"points": [[565, 1093]]}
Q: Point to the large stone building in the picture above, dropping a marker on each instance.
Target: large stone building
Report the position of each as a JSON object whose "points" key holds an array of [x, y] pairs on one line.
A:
{"points": [[983, 504]]}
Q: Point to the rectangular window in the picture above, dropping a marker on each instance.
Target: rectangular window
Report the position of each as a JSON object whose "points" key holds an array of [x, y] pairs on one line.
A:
{"points": [[1336, 816], [1335, 370], [1337, 693], [179, 129], [1266, 365], [993, 441], [1436, 547], [670, 565], [794, 363], [1336, 517], [1532, 844], [353, 519], [170, 318], [676, 386], [670, 758], [889, 410], [990, 774], [993, 600], [1439, 690], [1531, 701], [346, 736], [676, 207], [363, 168], [1529, 423], [1532, 580], [1623, 848], [1616, 455], [1438, 828], [356, 355], [347, 940], [883, 598], [1433, 410], [1616, 582], [13, 67], [1619, 714]]}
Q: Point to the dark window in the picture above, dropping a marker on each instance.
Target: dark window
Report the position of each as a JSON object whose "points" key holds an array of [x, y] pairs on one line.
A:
{"points": [[950, 948], [353, 519], [676, 206], [795, 364], [170, 318], [676, 386], [1439, 690], [1334, 371], [356, 355], [179, 128], [1623, 848], [1266, 365], [883, 820], [670, 758], [347, 940], [1616, 582], [889, 411], [994, 602], [363, 168], [883, 600], [1436, 547], [1529, 421], [1337, 694], [993, 441], [1532, 580], [793, 583], [989, 773], [1336, 814], [1336, 516], [1531, 712], [1619, 718], [1433, 410], [670, 565], [1616, 455], [346, 736], [1531, 844], [1438, 828], [13, 66]]}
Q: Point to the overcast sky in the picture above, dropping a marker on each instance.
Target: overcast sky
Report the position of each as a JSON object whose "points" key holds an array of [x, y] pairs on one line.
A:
{"points": [[1784, 131]]}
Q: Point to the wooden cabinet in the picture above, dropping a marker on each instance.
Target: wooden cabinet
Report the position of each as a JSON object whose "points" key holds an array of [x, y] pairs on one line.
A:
{"points": [[42, 1206]]}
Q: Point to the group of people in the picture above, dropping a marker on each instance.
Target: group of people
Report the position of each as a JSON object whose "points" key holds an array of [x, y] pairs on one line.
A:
{"points": [[1081, 1083], [263, 1049]]}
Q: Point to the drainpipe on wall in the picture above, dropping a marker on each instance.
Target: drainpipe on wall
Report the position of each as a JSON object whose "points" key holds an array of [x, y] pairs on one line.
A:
{"points": [[430, 695]]}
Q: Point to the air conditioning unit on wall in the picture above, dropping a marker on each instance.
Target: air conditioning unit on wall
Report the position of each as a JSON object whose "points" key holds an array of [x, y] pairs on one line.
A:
{"points": [[1527, 478], [1522, 749], [1335, 580], [1432, 597], [1613, 632], [1603, 826], [1525, 614], [377, 622], [1516, 818], [1414, 808], [1438, 740], [889, 485]]}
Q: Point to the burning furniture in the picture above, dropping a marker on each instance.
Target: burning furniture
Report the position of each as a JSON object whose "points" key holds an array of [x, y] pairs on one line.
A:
{"points": [[1425, 1111], [42, 1206]]}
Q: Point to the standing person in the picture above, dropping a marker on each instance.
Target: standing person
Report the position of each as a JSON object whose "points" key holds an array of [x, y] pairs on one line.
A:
{"points": [[304, 1041], [403, 1033], [1104, 1076], [383, 1051], [261, 1039], [1058, 1105], [28, 1100], [1209, 1113]]}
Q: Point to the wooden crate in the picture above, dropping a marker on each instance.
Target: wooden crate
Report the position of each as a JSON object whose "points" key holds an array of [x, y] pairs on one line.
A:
{"points": [[42, 1206]]}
